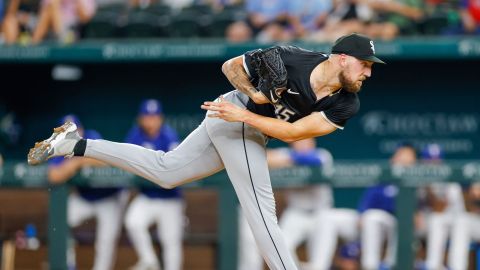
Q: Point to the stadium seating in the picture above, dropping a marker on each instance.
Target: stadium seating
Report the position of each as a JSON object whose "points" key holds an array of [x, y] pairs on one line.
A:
{"points": [[103, 25], [185, 24], [142, 24]]}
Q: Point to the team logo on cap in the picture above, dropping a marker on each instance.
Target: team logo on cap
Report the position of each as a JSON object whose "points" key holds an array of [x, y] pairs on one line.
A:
{"points": [[152, 106], [372, 46]]}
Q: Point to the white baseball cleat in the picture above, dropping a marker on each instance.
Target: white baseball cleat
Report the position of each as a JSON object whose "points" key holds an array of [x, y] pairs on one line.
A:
{"points": [[61, 143]]}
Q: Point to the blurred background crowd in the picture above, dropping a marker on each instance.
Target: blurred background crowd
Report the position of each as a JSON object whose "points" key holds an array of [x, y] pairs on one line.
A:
{"points": [[65, 21]]}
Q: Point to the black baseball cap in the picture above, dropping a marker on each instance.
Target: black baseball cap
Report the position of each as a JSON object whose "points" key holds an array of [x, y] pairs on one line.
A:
{"points": [[358, 46]]}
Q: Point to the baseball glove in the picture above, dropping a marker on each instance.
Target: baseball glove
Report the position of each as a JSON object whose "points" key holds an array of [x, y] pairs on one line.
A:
{"points": [[271, 72]]}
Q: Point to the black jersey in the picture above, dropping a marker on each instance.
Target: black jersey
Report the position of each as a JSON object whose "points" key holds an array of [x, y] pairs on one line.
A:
{"points": [[299, 100]]}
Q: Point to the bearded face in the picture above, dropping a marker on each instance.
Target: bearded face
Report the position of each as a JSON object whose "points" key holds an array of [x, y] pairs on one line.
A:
{"points": [[353, 74], [349, 84]]}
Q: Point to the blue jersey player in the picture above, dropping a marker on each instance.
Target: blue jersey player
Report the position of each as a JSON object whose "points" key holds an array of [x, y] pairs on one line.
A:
{"points": [[373, 223], [153, 204]]}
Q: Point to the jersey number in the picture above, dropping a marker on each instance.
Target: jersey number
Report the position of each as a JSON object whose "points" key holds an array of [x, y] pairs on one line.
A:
{"points": [[283, 113]]}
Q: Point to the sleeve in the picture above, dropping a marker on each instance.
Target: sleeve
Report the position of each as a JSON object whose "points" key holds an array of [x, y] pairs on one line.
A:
{"points": [[339, 114], [89, 6], [309, 158]]}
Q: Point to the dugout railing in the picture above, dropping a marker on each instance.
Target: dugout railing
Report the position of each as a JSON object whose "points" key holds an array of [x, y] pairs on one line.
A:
{"points": [[343, 174]]}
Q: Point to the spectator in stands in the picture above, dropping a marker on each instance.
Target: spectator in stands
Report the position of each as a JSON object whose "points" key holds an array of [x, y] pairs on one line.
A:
{"points": [[465, 230], [2, 15], [469, 11], [63, 18], [373, 223], [444, 203], [2, 9], [175, 5], [266, 21], [470, 14], [239, 32], [178, 4], [386, 19], [300, 219], [106, 205], [381, 19], [153, 204], [220, 5], [19, 21], [307, 16]]}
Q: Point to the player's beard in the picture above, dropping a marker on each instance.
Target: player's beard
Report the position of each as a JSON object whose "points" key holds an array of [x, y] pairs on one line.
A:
{"points": [[349, 85]]}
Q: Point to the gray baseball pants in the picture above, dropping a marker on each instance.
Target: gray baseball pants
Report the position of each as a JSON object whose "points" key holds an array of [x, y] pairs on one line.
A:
{"points": [[216, 144]]}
